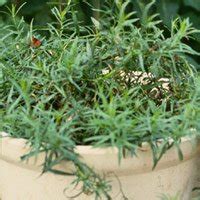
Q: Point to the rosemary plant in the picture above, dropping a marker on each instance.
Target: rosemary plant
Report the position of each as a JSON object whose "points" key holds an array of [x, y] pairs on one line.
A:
{"points": [[119, 83]]}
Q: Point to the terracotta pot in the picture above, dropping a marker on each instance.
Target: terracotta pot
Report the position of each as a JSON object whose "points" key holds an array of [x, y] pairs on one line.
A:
{"points": [[23, 181]]}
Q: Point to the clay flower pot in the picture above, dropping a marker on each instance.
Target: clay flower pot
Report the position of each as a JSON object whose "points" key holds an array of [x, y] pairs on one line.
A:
{"points": [[134, 176]]}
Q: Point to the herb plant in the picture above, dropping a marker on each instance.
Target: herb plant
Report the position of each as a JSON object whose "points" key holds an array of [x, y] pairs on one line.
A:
{"points": [[117, 84]]}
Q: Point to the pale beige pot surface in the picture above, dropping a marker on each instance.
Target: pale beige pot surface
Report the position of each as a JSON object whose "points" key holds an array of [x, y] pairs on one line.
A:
{"points": [[196, 193], [23, 181]]}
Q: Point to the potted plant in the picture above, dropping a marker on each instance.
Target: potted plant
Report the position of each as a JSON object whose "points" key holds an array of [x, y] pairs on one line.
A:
{"points": [[95, 109]]}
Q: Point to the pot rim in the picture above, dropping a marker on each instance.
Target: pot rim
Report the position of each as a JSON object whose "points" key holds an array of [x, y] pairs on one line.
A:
{"points": [[90, 148], [103, 160]]}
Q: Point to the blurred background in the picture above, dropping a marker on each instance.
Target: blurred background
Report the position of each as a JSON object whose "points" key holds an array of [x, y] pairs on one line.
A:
{"points": [[40, 10]]}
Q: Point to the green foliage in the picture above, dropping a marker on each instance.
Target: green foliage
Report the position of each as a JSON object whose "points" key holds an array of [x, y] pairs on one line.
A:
{"points": [[84, 11], [192, 3], [169, 197], [100, 85], [169, 10], [2, 2]]}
